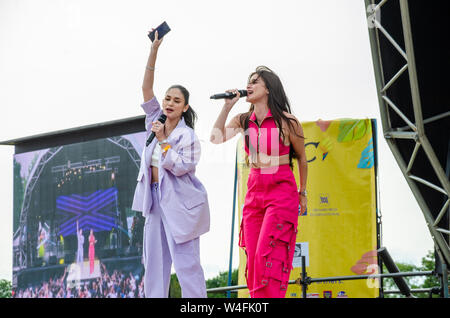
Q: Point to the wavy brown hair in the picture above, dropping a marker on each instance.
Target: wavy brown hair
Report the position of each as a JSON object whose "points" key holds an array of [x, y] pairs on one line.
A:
{"points": [[277, 102]]}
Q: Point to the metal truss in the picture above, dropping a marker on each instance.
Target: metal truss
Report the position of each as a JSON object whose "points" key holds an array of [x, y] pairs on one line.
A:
{"points": [[414, 128], [23, 258], [126, 144]]}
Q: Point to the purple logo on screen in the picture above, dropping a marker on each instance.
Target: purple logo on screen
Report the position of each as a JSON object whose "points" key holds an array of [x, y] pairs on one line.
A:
{"points": [[97, 211]]}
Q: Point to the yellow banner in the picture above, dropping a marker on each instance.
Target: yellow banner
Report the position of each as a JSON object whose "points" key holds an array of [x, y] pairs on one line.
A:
{"points": [[337, 235]]}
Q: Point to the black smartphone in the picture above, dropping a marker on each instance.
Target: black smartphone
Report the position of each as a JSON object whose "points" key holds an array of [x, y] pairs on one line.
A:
{"points": [[162, 29]]}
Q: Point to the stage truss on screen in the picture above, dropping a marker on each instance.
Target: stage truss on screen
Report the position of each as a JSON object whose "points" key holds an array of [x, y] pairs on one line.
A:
{"points": [[414, 127], [23, 255], [128, 147]]}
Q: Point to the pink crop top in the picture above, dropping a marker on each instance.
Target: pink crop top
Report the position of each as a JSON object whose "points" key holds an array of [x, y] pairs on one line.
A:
{"points": [[266, 137]]}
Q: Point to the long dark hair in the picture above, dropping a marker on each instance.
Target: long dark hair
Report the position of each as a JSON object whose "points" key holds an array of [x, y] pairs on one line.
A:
{"points": [[190, 116], [277, 102]]}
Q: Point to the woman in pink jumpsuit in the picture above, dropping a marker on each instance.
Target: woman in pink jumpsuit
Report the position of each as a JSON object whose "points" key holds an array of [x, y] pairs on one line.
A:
{"points": [[92, 242], [273, 138]]}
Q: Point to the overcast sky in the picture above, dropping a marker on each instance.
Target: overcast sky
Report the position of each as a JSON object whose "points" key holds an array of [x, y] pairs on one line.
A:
{"points": [[65, 64]]}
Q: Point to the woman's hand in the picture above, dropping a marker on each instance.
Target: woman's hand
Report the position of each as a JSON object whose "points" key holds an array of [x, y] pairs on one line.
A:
{"points": [[156, 42], [303, 203], [221, 133], [158, 129], [149, 76], [229, 102]]}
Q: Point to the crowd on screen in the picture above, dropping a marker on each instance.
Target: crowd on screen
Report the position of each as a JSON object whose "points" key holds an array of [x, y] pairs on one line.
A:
{"points": [[116, 284]]}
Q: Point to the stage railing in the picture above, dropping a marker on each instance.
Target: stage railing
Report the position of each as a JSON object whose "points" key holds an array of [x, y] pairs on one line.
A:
{"points": [[304, 280]]}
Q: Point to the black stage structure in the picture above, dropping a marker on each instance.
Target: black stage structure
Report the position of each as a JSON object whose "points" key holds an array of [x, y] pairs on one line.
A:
{"points": [[412, 66], [96, 152]]}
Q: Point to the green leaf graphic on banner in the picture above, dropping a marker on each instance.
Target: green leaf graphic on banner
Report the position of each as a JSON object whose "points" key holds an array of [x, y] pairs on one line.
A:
{"points": [[350, 130], [367, 159]]}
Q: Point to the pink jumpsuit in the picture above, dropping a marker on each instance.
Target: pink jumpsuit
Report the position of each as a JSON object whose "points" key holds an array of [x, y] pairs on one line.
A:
{"points": [[270, 215], [91, 253]]}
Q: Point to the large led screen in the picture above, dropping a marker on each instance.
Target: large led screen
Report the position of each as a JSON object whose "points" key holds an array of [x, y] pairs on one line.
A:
{"points": [[75, 234]]}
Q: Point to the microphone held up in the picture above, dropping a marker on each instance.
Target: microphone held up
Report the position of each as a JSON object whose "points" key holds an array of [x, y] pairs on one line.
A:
{"points": [[229, 95], [162, 120]]}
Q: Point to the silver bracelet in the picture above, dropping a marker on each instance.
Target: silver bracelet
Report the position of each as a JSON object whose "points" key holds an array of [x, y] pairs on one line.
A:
{"points": [[150, 68], [165, 141]]}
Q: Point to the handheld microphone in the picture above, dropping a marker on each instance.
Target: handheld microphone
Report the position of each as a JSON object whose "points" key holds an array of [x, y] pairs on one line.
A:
{"points": [[243, 93], [162, 120]]}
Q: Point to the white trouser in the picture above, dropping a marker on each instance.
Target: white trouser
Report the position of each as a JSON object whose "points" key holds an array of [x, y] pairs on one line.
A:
{"points": [[80, 255], [160, 250]]}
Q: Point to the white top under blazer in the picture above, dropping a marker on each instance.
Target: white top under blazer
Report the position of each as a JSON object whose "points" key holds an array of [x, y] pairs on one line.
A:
{"points": [[155, 156]]}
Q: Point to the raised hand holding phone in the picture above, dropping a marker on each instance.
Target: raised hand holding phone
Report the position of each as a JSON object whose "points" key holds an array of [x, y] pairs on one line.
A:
{"points": [[149, 76], [156, 36], [162, 30]]}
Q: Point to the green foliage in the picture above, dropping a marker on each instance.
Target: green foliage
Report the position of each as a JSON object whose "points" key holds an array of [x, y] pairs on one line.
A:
{"points": [[220, 280], [5, 288], [428, 265], [174, 289], [414, 282]]}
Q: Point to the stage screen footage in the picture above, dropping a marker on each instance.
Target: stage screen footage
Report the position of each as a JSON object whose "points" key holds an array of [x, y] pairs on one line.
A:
{"points": [[75, 234]]}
